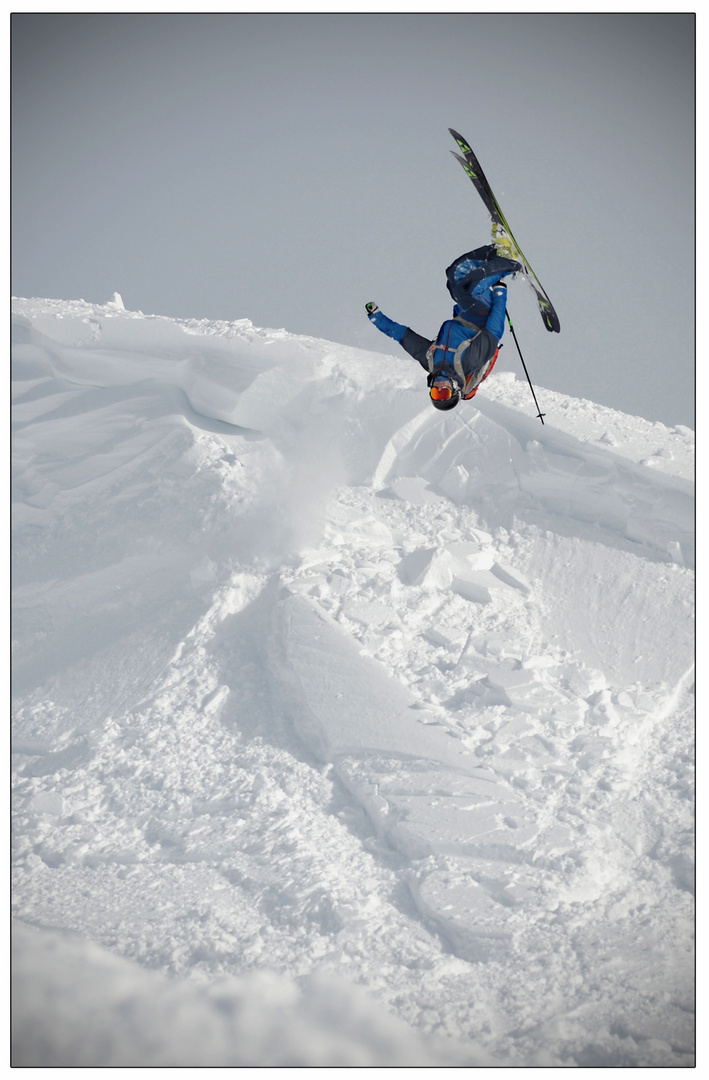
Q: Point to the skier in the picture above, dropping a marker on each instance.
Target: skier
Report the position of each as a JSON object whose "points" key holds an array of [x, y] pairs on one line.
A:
{"points": [[467, 345]]}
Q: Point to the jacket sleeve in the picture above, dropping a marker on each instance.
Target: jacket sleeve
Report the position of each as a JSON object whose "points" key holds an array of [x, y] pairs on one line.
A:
{"points": [[414, 344], [387, 326], [496, 319]]}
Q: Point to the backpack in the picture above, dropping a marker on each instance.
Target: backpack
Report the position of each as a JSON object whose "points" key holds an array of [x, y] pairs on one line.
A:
{"points": [[473, 381], [469, 383]]}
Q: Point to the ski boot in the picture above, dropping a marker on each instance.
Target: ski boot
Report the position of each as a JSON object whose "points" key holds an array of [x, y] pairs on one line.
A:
{"points": [[504, 246]]}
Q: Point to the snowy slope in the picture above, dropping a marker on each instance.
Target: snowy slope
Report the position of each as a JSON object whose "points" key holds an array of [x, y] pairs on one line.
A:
{"points": [[345, 731]]}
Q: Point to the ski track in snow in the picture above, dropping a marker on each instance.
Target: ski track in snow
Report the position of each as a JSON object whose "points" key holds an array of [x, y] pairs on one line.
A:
{"points": [[345, 732]]}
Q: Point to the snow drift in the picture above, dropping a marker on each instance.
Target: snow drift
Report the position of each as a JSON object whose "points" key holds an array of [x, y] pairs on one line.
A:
{"points": [[329, 706]]}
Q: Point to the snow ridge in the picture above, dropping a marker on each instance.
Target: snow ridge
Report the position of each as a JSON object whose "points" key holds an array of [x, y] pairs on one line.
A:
{"points": [[328, 700]]}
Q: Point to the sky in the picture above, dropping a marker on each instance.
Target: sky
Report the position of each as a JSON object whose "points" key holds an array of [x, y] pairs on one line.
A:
{"points": [[287, 168]]}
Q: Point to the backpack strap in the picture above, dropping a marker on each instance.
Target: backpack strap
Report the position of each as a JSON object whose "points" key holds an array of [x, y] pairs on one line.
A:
{"points": [[458, 353], [470, 325]]}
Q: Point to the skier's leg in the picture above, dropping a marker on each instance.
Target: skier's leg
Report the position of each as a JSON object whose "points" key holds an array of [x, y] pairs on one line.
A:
{"points": [[469, 277]]}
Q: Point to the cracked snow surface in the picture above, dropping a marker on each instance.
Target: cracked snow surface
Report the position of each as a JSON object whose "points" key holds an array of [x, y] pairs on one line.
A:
{"points": [[345, 732]]}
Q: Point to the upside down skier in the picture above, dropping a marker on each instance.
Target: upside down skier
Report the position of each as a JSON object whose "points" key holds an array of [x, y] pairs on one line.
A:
{"points": [[466, 348]]}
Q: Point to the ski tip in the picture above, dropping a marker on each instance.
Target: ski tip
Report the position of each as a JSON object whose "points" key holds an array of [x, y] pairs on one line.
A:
{"points": [[462, 143]]}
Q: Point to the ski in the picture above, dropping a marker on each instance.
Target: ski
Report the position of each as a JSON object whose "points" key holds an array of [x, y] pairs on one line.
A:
{"points": [[501, 233]]}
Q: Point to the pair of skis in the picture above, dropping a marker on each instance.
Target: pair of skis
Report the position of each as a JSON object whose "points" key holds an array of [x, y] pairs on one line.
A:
{"points": [[501, 232]]}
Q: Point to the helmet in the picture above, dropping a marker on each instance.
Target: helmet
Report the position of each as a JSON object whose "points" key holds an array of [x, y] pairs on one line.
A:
{"points": [[443, 394]]}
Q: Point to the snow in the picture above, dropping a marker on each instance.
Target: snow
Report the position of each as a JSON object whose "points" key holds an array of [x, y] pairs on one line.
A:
{"points": [[345, 732]]}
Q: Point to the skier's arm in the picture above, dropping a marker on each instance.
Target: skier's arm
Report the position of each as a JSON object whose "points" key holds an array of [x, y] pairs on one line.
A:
{"points": [[496, 319], [387, 326], [414, 344]]}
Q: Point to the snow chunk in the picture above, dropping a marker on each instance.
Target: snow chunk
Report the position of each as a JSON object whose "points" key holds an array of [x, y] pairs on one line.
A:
{"points": [[427, 567], [414, 490], [344, 702]]}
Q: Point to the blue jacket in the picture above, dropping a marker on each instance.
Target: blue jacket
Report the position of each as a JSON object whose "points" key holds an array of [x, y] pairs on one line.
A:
{"points": [[471, 281]]}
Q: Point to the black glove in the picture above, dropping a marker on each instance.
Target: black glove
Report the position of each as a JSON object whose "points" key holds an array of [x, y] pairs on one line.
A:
{"points": [[371, 308]]}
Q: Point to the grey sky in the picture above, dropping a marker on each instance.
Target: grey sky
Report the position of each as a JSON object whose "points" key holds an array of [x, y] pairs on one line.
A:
{"points": [[287, 168]]}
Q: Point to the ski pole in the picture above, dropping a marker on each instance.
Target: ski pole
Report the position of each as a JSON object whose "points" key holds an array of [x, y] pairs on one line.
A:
{"points": [[540, 414]]}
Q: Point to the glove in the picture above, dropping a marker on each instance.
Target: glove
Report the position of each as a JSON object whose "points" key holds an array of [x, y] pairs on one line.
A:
{"points": [[371, 308], [501, 287]]}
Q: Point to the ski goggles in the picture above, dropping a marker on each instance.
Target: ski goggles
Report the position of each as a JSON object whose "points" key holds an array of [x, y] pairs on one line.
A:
{"points": [[441, 391]]}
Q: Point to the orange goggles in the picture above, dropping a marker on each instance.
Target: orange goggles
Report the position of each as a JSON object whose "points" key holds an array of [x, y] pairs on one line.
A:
{"points": [[441, 393]]}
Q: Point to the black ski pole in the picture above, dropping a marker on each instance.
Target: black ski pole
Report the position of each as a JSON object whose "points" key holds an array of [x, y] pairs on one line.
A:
{"points": [[540, 414]]}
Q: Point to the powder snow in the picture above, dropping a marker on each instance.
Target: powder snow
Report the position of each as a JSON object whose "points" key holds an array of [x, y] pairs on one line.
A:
{"points": [[345, 732]]}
